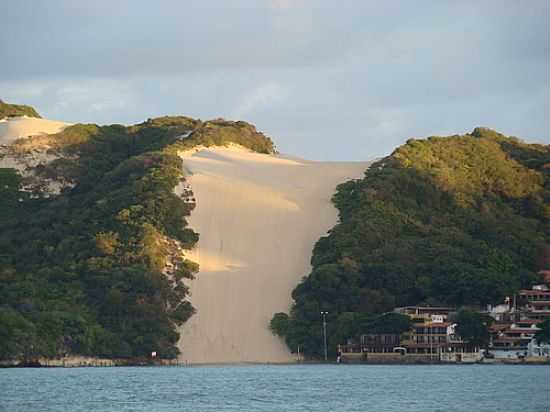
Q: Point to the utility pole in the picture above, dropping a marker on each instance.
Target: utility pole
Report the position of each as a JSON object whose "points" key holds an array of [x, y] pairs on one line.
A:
{"points": [[325, 332], [431, 345]]}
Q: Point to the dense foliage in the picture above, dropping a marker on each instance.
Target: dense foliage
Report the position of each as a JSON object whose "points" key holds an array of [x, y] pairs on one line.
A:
{"points": [[457, 220], [12, 110], [473, 327], [85, 272], [543, 335]]}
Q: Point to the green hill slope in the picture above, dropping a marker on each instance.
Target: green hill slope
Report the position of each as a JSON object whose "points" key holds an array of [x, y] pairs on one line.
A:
{"points": [[84, 272], [11, 110], [457, 220]]}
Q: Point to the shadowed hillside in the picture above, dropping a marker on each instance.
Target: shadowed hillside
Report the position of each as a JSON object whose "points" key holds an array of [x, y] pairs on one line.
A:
{"points": [[456, 220], [99, 269]]}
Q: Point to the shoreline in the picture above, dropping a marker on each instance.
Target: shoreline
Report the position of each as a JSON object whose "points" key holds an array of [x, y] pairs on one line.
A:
{"points": [[114, 363]]}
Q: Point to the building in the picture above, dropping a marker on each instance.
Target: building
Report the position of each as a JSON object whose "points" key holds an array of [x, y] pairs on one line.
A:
{"points": [[545, 276], [380, 342], [432, 338], [535, 303], [511, 341], [425, 312], [536, 350], [505, 312], [429, 332], [517, 320]]}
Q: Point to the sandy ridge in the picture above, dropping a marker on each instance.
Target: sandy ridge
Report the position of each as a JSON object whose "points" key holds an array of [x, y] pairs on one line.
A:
{"points": [[15, 128], [258, 217]]}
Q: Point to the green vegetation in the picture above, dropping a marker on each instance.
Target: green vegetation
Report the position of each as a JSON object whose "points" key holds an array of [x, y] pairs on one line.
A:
{"points": [[457, 221], [279, 324], [85, 272], [543, 335], [221, 132], [393, 323], [473, 327], [12, 110]]}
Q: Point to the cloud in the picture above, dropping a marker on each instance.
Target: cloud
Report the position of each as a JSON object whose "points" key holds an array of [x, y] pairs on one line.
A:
{"points": [[329, 81], [261, 98], [283, 4]]}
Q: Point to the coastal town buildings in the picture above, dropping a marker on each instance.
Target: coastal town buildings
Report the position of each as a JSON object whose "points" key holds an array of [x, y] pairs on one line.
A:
{"points": [[517, 321], [429, 332], [380, 342], [538, 350], [535, 303], [511, 340], [433, 336]]}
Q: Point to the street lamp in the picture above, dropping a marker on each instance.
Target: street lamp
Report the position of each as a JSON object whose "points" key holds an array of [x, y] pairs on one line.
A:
{"points": [[325, 332]]}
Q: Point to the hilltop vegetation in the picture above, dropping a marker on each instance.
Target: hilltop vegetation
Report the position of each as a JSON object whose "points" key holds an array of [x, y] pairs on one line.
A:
{"points": [[461, 220], [12, 110], [85, 272]]}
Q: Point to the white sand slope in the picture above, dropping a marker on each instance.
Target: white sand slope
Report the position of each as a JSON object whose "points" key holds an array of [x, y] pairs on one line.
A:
{"points": [[258, 217], [17, 127]]}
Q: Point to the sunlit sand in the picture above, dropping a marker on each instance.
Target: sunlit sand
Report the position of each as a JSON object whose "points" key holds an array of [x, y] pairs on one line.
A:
{"points": [[258, 217], [18, 127]]}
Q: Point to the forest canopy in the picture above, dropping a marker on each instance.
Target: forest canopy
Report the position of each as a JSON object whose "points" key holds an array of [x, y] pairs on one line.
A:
{"points": [[459, 220], [84, 272], [13, 110]]}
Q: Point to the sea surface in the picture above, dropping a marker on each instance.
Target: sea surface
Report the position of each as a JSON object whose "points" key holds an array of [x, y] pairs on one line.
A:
{"points": [[469, 388]]}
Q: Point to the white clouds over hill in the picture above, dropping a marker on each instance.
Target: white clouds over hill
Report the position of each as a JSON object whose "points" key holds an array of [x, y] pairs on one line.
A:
{"points": [[371, 74]]}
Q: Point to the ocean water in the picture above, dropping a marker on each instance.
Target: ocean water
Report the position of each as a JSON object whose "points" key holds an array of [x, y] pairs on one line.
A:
{"points": [[469, 388]]}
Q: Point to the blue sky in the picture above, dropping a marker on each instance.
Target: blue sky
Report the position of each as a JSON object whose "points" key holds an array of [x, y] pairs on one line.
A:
{"points": [[327, 80]]}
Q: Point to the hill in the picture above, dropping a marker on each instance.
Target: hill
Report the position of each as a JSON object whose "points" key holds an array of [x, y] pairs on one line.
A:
{"points": [[100, 225], [97, 267], [461, 220], [13, 110]]}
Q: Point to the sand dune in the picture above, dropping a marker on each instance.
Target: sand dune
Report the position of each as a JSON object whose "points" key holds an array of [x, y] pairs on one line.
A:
{"points": [[258, 217], [25, 161], [17, 127]]}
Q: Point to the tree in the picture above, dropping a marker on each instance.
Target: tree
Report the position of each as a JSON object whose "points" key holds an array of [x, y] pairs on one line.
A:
{"points": [[106, 242], [473, 327], [543, 335], [11, 110], [279, 324], [455, 221], [86, 271], [17, 335], [376, 301], [391, 323]]}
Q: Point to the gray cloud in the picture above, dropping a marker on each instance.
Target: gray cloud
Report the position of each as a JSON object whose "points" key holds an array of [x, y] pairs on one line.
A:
{"points": [[328, 81]]}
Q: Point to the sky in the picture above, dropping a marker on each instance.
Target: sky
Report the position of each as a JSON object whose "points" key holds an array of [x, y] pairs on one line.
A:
{"points": [[326, 80]]}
